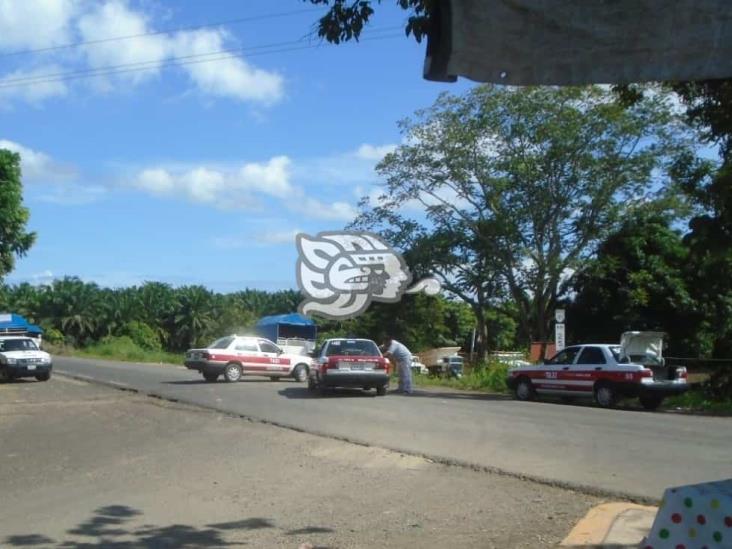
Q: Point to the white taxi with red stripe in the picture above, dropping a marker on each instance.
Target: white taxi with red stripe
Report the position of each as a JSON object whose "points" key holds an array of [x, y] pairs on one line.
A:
{"points": [[237, 356], [600, 371]]}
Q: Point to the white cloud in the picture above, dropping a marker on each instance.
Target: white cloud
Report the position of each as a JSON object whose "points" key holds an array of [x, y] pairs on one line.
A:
{"points": [[225, 188], [32, 24], [272, 178], [34, 91], [34, 164], [230, 77], [40, 23], [331, 211], [51, 181], [241, 187], [374, 152], [37, 166], [113, 19], [352, 168]]}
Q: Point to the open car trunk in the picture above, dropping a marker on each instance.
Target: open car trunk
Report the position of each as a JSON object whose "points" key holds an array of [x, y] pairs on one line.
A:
{"points": [[646, 348]]}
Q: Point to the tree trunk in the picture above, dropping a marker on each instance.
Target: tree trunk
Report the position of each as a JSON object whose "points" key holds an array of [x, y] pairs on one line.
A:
{"points": [[481, 331]]}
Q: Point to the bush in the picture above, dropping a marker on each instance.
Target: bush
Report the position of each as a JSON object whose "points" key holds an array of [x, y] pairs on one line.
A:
{"points": [[484, 376], [142, 334], [53, 336], [125, 349], [118, 347]]}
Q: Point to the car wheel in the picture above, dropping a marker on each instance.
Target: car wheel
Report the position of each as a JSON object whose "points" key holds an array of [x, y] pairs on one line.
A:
{"points": [[605, 395], [4, 375], [381, 390], [651, 402], [311, 384], [45, 376], [524, 389], [232, 372], [210, 376], [300, 373]]}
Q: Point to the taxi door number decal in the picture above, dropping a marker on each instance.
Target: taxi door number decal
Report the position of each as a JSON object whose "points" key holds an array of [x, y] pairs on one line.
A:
{"points": [[551, 375]]}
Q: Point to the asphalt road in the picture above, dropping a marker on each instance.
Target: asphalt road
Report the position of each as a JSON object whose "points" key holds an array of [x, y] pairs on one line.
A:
{"points": [[85, 467], [629, 452]]}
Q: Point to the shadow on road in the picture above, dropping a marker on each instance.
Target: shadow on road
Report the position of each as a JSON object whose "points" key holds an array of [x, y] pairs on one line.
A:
{"points": [[204, 382], [303, 392], [454, 395], [109, 527]]}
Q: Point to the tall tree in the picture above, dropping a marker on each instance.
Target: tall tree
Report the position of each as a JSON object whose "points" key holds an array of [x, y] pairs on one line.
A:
{"points": [[15, 241], [530, 179], [638, 281]]}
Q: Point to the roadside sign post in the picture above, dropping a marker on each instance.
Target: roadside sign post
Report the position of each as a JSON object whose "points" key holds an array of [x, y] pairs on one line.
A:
{"points": [[559, 329]]}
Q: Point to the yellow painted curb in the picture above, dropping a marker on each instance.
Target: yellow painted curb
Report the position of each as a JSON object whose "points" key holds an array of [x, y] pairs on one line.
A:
{"points": [[593, 529]]}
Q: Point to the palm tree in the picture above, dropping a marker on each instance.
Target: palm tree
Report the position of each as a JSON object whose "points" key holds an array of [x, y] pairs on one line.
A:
{"points": [[194, 316]]}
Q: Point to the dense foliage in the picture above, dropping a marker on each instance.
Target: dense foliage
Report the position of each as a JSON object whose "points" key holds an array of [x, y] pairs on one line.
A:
{"points": [[15, 241], [157, 317], [501, 192]]}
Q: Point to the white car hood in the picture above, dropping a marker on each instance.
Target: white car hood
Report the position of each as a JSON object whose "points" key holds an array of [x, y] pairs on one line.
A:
{"points": [[26, 354]]}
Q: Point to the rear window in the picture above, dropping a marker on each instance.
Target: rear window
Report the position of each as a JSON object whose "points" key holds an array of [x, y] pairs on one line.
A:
{"points": [[352, 347], [222, 343], [18, 345]]}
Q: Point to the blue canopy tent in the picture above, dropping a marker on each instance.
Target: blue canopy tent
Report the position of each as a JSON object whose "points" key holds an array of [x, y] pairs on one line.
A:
{"points": [[289, 326], [12, 324]]}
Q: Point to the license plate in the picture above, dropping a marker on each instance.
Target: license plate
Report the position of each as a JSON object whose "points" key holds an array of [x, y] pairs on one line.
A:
{"points": [[31, 366], [357, 367]]}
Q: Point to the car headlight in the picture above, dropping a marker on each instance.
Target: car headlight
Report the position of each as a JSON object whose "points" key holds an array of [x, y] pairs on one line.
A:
{"points": [[10, 360]]}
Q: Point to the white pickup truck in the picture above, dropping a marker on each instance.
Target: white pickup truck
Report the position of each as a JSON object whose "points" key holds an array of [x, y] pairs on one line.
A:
{"points": [[635, 368]]}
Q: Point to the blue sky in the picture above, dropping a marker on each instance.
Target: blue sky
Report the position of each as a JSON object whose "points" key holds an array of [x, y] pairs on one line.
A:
{"points": [[195, 173]]}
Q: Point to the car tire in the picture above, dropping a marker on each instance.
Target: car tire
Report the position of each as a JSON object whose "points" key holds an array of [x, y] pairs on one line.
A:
{"points": [[605, 395], [524, 389], [312, 386], [211, 377], [4, 376], [381, 390], [651, 402], [232, 372], [300, 373], [45, 376], [322, 389]]}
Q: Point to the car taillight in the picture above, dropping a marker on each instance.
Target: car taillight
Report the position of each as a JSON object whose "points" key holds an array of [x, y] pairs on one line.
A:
{"points": [[645, 372], [382, 364], [208, 356], [681, 373]]}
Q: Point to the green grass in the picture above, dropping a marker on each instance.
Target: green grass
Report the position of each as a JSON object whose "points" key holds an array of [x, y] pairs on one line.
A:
{"points": [[695, 400], [119, 348], [489, 378]]}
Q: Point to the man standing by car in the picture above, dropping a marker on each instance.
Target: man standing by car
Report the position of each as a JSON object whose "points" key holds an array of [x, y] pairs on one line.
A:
{"points": [[399, 355]]}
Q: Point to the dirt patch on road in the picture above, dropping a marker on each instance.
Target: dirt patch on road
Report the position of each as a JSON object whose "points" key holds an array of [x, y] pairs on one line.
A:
{"points": [[88, 466]]}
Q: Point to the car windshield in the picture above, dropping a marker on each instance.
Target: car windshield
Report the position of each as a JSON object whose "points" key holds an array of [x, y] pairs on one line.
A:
{"points": [[221, 343], [18, 345], [352, 347]]}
